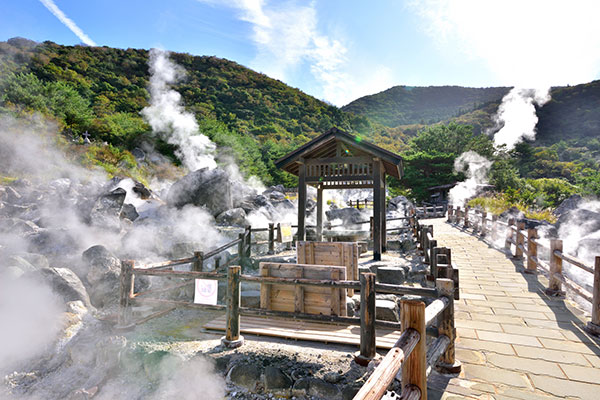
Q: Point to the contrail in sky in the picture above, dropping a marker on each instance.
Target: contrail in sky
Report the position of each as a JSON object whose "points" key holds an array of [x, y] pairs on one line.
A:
{"points": [[52, 7]]}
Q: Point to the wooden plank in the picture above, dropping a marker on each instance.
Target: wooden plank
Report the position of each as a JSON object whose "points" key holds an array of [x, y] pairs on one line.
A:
{"points": [[265, 289], [299, 292], [303, 330], [335, 294]]}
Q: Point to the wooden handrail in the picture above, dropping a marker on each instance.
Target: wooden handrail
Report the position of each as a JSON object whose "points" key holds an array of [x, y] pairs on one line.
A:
{"points": [[573, 261]]}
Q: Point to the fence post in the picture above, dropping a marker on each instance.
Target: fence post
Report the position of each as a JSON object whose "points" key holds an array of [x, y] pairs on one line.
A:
{"points": [[232, 337], [449, 213], [494, 228], [448, 363], [594, 325], [532, 251], [483, 231], [429, 255], [414, 367], [248, 236], [241, 248], [198, 264], [555, 285], [520, 241], [367, 319], [509, 234], [126, 290], [271, 238], [466, 222]]}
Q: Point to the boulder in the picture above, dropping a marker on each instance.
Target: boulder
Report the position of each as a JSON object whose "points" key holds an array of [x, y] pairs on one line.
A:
{"points": [[400, 204], [244, 375], [512, 212], [569, 204], [386, 310], [584, 221], [317, 388], [65, 283], [21, 263], [276, 379], [209, 188], [129, 212], [347, 215], [107, 209], [53, 241], [141, 190], [37, 260], [392, 275], [232, 217], [103, 271], [17, 226]]}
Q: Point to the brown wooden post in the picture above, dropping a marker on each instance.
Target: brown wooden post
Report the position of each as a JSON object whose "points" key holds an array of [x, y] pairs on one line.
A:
{"points": [[271, 238], [371, 226], [377, 175], [367, 319], [594, 325], [414, 367], [509, 234], [319, 213], [383, 215], [456, 218], [435, 251], [520, 241], [217, 263], [466, 222], [126, 291], [449, 213], [232, 337], [248, 242], [241, 253], [198, 264], [447, 363], [532, 251], [555, 285], [301, 200], [483, 231]]}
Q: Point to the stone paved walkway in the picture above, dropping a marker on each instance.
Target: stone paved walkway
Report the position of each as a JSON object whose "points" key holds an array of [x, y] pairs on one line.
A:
{"points": [[513, 340]]}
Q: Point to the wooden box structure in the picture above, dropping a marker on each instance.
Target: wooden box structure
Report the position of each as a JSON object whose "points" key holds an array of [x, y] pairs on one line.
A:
{"points": [[331, 253], [339, 160], [303, 299]]}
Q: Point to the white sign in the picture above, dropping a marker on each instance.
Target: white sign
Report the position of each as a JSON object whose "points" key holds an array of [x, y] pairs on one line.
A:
{"points": [[206, 291], [285, 233]]}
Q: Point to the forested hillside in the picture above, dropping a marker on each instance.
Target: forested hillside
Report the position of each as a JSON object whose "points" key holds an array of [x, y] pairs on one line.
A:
{"points": [[102, 90]]}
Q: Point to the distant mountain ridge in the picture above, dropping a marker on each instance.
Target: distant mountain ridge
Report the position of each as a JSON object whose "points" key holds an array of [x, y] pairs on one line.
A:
{"points": [[406, 105]]}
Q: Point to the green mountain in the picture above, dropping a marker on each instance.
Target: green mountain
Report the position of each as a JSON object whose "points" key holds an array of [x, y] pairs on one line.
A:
{"points": [[102, 90], [406, 105]]}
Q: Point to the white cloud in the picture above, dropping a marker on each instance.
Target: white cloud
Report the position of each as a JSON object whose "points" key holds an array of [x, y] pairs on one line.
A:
{"points": [[286, 36], [533, 43], [53, 8]]}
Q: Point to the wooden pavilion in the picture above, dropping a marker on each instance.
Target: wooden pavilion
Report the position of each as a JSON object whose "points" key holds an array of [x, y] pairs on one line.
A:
{"points": [[339, 160]]}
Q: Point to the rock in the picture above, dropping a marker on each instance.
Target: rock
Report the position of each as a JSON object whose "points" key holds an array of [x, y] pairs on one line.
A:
{"points": [[21, 263], [17, 226], [386, 310], [349, 391], [347, 215], [37, 260], [276, 188], [351, 306], [245, 375], [584, 221], [332, 377], [55, 241], [276, 379], [277, 196], [317, 388], [310, 205], [569, 204], [60, 185], [233, 217], [107, 209], [129, 212], [139, 154], [12, 196], [512, 212], [103, 274], [400, 204], [209, 188], [251, 298], [392, 275], [66, 284], [142, 190]]}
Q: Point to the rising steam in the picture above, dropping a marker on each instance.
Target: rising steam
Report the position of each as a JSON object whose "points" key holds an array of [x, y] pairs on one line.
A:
{"points": [[476, 168], [168, 118]]}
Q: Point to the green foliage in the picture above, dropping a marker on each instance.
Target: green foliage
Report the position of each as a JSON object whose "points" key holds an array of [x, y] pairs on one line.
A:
{"points": [[500, 203], [114, 161]]}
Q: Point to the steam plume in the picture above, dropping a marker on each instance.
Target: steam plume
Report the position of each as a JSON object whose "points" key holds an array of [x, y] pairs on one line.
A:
{"points": [[57, 12], [168, 118], [476, 168]]}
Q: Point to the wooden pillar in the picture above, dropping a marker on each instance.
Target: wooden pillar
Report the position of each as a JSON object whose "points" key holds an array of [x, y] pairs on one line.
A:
{"points": [[447, 363], [126, 291], [532, 251], [483, 231], [232, 337], [520, 241], [494, 228], [198, 264], [457, 215], [301, 201], [377, 209], [241, 253], [449, 213], [555, 285], [367, 319], [466, 222], [248, 242], [509, 234], [414, 367], [594, 325], [271, 238], [383, 217], [319, 213]]}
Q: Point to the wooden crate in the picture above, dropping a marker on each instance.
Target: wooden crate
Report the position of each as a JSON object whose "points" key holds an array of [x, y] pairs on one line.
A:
{"points": [[303, 299], [331, 253]]}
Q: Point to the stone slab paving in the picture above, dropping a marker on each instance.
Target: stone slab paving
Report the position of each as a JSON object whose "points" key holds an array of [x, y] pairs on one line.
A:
{"points": [[514, 341]]}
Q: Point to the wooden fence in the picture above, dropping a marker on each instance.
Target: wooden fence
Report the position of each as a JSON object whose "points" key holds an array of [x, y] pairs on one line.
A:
{"points": [[365, 203], [527, 244], [431, 211]]}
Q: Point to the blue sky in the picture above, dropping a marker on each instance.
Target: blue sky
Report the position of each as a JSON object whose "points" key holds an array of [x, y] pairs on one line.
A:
{"points": [[339, 50]]}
